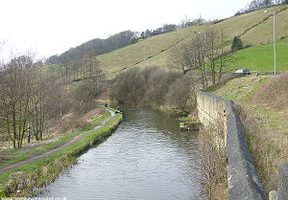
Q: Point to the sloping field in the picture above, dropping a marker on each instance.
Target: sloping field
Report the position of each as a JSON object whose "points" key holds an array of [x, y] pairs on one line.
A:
{"points": [[129, 56], [254, 28], [263, 33], [261, 58]]}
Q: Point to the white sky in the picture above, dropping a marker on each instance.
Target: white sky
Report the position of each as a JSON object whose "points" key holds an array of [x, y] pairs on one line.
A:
{"points": [[53, 26]]}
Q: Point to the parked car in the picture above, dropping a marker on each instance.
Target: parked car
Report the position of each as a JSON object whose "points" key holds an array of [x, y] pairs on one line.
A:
{"points": [[243, 71]]}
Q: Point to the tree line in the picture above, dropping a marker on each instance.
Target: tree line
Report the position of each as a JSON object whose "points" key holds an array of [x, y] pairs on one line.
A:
{"points": [[93, 47], [166, 28], [76, 70]]}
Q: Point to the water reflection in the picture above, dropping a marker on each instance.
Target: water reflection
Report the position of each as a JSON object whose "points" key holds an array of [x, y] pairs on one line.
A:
{"points": [[146, 158]]}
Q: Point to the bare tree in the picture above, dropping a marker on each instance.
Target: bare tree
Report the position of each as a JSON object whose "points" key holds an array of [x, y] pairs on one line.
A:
{"points": [[182, 58], [205, 53], [86, 93], [213, 51], [190, 56], [198, 50], [16, 85]]}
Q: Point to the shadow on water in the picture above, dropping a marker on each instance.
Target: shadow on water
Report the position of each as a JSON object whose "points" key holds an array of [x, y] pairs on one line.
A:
{"points": [[146, 158]]}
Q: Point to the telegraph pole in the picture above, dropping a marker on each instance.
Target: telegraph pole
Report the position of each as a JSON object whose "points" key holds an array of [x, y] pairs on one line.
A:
{"points": [[144, 56], [274, 38]]}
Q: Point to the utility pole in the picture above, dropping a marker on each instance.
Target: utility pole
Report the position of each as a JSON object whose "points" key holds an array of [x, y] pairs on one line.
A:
{"points": [[144, 56], [274, 38]]}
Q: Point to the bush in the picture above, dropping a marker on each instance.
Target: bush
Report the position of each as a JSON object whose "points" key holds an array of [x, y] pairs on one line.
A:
{"points": [[129, 87], [181, 95], [158, 85], [85, 93], [154, 87], [236, 44]]}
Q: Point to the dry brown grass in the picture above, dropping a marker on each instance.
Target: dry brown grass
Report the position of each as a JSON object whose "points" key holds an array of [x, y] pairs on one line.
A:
{"points": [[265, 117], [273, 94], [264, 113], [89, 116], [213, 161], [269, 148]]}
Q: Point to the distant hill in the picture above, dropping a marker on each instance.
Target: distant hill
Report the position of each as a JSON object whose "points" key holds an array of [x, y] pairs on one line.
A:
{"points": [[94, 47], [254, 28]]}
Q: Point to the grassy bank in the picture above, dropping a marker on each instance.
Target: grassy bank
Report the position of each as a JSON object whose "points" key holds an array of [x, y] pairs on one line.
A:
{"points": [[20, 181], [265, 125]]}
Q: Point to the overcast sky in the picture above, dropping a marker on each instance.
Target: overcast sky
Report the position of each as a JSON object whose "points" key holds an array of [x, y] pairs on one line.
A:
{"points": [[53, 26]]}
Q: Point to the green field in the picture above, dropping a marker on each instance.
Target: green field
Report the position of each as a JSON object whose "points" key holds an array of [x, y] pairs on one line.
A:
{"points": [[254, 28], [261, 58]]}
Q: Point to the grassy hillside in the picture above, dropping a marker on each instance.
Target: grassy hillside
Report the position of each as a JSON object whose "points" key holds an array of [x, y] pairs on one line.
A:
{"points": [[134, 54], [254, 28], [261, 58]]}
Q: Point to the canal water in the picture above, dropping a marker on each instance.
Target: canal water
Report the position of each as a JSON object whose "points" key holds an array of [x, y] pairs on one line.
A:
{"points": [[146, 158]]}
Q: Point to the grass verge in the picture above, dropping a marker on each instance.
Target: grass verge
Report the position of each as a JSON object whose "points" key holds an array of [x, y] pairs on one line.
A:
{"points": [[12, 156]]}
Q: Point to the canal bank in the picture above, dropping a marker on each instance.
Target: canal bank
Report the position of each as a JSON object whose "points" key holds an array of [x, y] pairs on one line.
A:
{"points": [[146, 158], [19, 179]]}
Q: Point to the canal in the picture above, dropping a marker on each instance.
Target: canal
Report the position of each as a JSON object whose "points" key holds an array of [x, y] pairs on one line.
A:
{"points": [[146, 158]]}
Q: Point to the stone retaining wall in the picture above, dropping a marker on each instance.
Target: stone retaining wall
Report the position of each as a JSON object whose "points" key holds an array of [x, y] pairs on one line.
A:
{"points": [[282, 193], [243, 182]]}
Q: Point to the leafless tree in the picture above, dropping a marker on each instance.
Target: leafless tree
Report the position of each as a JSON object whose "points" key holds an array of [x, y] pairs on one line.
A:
{"points": [[204, 52], [16, 85], [182, 58]]}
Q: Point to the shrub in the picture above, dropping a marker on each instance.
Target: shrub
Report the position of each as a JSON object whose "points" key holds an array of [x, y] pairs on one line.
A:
{"points": [[181, 95], [154, 87], [236, 44]]}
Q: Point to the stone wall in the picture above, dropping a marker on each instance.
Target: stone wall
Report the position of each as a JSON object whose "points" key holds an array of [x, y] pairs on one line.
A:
{"points": [[282, 193], [243, 182]]}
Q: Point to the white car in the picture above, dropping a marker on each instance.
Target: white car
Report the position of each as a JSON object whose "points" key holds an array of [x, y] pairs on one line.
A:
{"points": [[243, 71]]}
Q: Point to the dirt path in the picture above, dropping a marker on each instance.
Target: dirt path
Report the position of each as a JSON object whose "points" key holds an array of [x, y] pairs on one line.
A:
{"points": [[51, 151]]}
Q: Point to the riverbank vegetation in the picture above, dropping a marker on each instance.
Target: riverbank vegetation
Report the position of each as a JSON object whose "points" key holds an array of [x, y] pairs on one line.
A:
{"points": [[263, 102], [21, 181], [154, 87]]}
